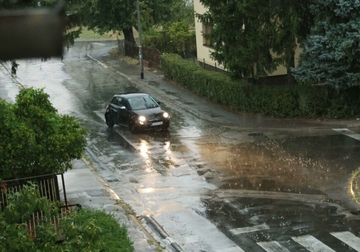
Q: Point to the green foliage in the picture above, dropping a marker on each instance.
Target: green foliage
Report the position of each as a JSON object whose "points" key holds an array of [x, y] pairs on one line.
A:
{"points": [[121, 15], [181, 10], [82, 230], [179, 33], [280, 101], [95, 230], [15, 233], [293, 21], [331, 53], [108, 15], [251, 38], [35, 138], [175, 38]]}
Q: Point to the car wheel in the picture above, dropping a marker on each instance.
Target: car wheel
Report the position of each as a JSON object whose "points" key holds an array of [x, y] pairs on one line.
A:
{"points": [[109, 122], [132, 127]]}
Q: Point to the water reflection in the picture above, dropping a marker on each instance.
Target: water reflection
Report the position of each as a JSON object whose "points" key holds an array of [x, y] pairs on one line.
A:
{"points": [[311, 165], [144, 147]]}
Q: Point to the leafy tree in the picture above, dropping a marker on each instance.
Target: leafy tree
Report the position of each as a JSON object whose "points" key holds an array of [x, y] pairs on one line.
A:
{"points": [[182, 11], [35, 138], [174, 38], [174, 34], [240, 35], [121, 15], [331, 53], [252, 37], [292, 21]]}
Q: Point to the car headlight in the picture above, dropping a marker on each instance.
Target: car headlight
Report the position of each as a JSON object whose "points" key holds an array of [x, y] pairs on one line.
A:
{"points": [[142, 119], [165, 115]]}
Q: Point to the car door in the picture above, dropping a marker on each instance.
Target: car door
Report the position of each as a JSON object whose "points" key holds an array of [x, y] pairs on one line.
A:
{"points": [[113, 110], [123, 112]]}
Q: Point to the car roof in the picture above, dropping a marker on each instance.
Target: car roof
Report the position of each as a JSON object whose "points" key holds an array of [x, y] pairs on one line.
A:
{"points": [[130, 95]]}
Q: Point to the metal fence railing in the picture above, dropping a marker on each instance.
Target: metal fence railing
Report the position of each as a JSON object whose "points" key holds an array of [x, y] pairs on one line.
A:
{"points": [[151, 55], [49, 187]]}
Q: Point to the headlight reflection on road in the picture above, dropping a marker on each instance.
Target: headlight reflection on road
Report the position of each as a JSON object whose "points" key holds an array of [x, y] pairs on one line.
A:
{"points": [[148, 190], [144, 148], [167, 146]]}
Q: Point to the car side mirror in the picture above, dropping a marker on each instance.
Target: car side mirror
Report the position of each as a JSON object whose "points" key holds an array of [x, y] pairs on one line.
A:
{"points": [[158, 102]]}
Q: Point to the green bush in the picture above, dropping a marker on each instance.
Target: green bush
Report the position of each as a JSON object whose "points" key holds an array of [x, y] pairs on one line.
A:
{"points": [[83, 230], [94, 230], [280, 101], [175, 38]]}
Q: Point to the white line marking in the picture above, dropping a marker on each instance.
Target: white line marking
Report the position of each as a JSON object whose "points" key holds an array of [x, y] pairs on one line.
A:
{"points": [[348, 238], [312, 244], [348, 133], [244, 230], [272, 246]]}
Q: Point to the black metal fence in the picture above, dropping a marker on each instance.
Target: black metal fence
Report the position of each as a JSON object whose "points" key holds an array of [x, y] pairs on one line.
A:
{"points": [[48, 186], [151, 55]]}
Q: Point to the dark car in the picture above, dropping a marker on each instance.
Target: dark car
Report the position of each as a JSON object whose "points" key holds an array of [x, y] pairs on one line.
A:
{"points": [[138, 111]]}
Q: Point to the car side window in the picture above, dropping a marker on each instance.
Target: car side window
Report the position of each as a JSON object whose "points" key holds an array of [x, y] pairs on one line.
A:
{"points": [[114, 100], [117, 101], [122, 102]]}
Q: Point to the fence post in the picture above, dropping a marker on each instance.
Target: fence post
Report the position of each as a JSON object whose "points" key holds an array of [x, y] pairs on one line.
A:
{"points": [[121, 46]]}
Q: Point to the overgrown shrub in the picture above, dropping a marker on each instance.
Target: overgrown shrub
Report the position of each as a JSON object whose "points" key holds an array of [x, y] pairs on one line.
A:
{"points": [[95, 230], [83, 230]]}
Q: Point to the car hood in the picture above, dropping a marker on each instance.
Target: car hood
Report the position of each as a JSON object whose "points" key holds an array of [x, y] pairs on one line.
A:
{"points": [[150, 113]]}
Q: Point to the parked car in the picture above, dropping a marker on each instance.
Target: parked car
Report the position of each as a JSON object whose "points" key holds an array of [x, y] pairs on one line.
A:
{"points": [[138, 111]]}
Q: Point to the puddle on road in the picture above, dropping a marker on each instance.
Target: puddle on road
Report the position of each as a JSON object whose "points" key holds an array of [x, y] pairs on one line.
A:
{"points": [[269, 185], [308, 165], [287, 217]]}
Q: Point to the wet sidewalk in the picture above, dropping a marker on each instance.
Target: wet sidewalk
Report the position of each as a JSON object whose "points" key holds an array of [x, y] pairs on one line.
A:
{"points": [[85, 187]]}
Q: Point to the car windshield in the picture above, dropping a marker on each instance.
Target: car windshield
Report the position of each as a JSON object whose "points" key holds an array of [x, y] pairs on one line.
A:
{"points": [[143, 102]]}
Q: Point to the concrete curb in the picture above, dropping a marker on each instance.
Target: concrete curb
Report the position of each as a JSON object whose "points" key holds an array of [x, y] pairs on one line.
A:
{"points": [[162, 232], [113, 194]]}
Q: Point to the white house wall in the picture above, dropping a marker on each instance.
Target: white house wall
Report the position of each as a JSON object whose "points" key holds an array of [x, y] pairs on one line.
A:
{"points": [[203, 52]]}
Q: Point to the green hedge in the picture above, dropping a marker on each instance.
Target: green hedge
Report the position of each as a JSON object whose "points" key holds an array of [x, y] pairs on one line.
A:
{"points": [[279, 101]]}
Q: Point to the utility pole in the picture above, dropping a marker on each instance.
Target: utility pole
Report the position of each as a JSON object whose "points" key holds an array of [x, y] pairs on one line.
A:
{"points": [[140, 44]]}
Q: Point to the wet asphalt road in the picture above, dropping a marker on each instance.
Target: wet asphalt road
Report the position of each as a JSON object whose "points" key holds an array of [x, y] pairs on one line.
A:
{"points": [[263, 189]]}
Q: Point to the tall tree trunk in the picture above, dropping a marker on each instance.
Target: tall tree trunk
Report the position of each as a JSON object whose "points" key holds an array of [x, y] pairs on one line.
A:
{"points": [[130, 44], [290, 64]]}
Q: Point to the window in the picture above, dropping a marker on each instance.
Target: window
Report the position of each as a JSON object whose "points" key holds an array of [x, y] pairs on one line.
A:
{"points": [[144, 102], [206, 34], [118, 101]]}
